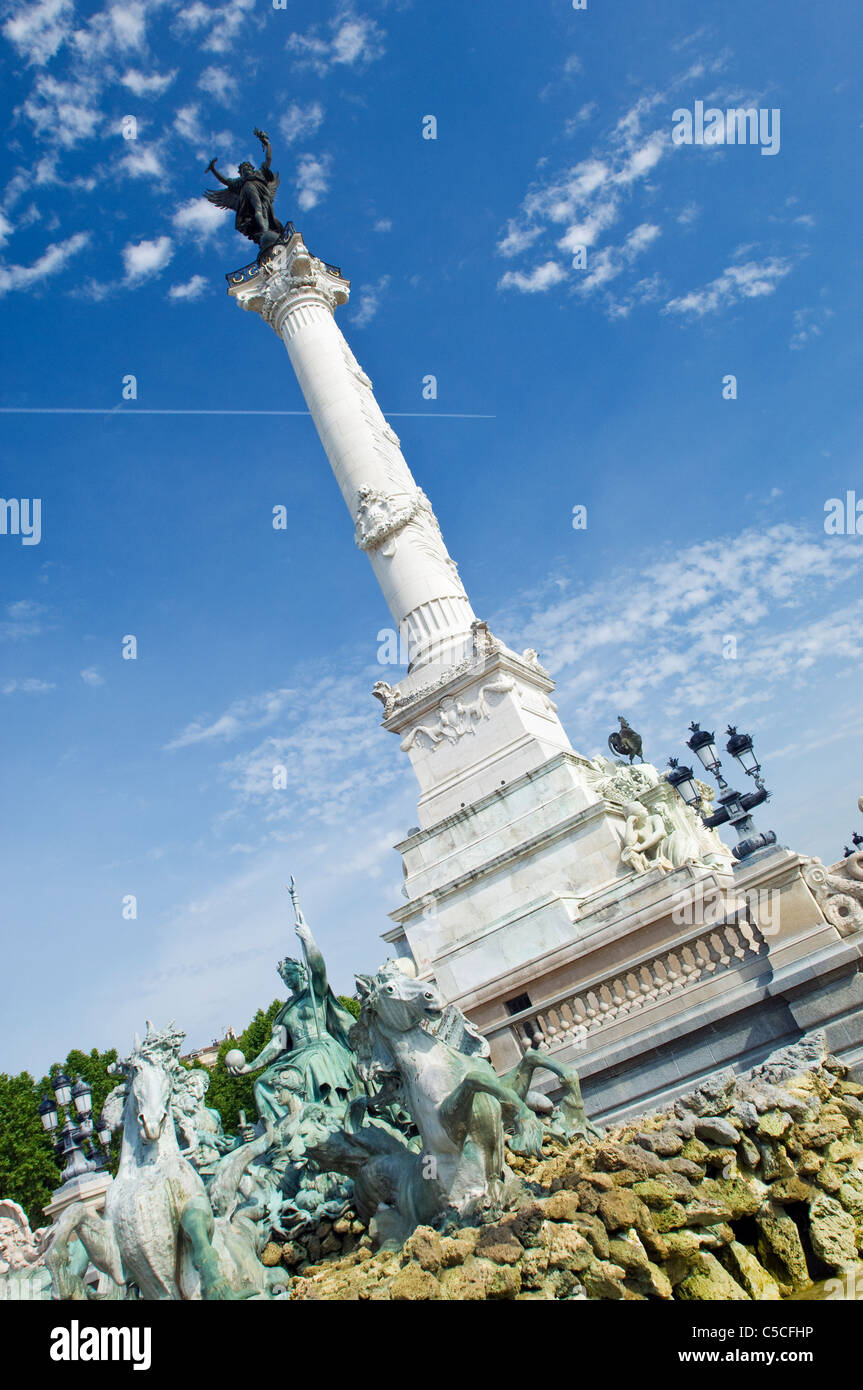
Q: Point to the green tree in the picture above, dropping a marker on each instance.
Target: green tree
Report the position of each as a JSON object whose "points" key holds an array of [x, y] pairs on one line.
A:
{"points": [[29, 1171], [231, 1094]]}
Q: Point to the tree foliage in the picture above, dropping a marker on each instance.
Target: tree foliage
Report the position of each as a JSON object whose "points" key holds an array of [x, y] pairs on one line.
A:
{"points": [[231, 1094], [29, 1171]]}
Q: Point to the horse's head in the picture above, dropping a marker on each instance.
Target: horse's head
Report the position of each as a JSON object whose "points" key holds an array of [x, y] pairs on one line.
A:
{"points": [[150, 1086], [152, 1070], [398, 1002]]}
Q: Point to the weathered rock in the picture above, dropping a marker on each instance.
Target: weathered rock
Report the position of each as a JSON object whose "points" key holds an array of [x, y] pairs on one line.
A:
{"points": [[614, 1158], [715, 1129], [775, 1162], [745, 1113], [593, 1231], [695, 1151], [670, 1218], [533, 1268], [749, 1153], [562, 1206], [620, 1209], [664, 1142], [774, 1124], [605, 1280], [851, 1193], [790, 1190], [567, 1248], [780, 1249], [480, 1279], [809, 1163], [722, 1161], [271, 1255], [709, 1282], [739, 1196], [687, 1169], [656, 1193], [713, 1097], [703, 1212], [498, 1244], [425, 1247], [414, 1284], [749, 1274], [830, 1177], [832, 1231]]}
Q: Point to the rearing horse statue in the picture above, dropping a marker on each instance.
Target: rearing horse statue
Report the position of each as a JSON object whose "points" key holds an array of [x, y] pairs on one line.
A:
{"points": [[157, 1230], [460, 1106]]}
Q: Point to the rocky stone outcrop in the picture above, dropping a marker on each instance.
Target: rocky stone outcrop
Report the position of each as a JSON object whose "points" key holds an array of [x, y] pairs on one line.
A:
{"points": [[748, 1189]]}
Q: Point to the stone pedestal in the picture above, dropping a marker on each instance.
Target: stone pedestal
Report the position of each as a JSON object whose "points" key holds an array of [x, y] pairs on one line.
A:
{"points": [[89, 1189]]}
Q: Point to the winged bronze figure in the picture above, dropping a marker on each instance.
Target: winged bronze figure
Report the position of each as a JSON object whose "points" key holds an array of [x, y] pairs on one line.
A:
{"points": [[251, 197]]}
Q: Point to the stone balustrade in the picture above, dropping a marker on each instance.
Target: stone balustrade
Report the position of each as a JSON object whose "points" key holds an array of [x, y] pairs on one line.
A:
{"points": [[572, 1018]]}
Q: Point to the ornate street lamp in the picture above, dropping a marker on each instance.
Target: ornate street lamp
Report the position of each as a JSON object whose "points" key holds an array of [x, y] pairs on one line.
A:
{"points": [[683, 781], [734, 807], [62, 1087], [69, 1147], [48, 1114]]}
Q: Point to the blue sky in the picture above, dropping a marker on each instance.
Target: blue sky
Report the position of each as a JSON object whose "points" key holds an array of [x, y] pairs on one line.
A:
{"points": [[604, 384]]}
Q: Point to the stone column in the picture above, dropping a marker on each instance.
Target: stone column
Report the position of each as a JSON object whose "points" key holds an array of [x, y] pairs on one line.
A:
{"points": [[393, 519]]}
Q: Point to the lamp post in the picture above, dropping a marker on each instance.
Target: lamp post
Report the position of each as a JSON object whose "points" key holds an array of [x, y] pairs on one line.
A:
{"points": [[734, 807], [74, 1144]]}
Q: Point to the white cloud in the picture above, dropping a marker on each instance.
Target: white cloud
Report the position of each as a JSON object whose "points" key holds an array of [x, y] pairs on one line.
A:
{"points": [[38, 31], [21, 277], [751, 280], [199, 219], [145, 258], [517, 238], [64, 112], [91, 675], [142, 161], [6, 229], [369, 302], [253, 713], [151, 85], [26, 686], [219, 83], [192, 289], [24, 618], [118, 29], [771, 589], [807, 324], [300, 121], [356, 41], [227, 23], [313, 180], [541, 278], [383, 224]]}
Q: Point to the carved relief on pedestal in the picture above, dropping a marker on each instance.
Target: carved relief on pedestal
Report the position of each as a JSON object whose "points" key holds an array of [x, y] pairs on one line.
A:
{"points": [[660, 831], [457, 717], [838, 891]]}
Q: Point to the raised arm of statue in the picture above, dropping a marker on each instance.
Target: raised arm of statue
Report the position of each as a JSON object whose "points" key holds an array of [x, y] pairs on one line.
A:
{"points": [[265, 141], [211, 169], [317, 966]]}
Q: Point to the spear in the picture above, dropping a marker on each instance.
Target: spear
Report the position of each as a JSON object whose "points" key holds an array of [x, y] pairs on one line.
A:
{"points": [[301, 921]]}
